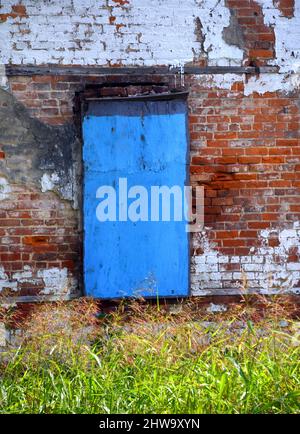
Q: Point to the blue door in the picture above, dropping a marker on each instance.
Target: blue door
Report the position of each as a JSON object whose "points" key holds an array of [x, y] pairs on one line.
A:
{"points": [[132, 148]]}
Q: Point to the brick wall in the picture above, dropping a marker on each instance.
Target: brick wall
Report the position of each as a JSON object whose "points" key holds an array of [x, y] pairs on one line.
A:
{"points": [[244, 150], [40, 231], [39, 245], [244, 133], [149, 32]]}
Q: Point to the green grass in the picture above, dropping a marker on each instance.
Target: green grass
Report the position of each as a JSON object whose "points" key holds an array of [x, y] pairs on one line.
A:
{"points": [[153, 364]]}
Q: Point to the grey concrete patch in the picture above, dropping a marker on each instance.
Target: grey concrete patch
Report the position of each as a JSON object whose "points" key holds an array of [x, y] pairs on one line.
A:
{"points": [[34, 150]]}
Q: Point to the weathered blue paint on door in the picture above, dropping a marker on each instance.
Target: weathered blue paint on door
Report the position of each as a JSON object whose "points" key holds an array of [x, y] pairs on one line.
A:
{"points": [[145, 142]]}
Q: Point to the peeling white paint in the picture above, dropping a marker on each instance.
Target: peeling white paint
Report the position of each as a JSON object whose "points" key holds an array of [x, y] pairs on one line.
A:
{"points": [[56, 281], [287, 46], [69, 191], [3, 335], [25, 276], [283, 275], [274, 82], [266, 270], [3, 276], [145, 33], [266, 82], [150, 32], [216, 308], [220, 81], [215, 16], [5, 188], [5, 283], [48, 181], [287, 52], [3, 77]]}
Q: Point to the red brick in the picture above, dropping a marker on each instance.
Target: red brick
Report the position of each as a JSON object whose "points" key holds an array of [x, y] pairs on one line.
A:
{"points": [[273, 160], [227, 234], [226, 135], [233, 243], [249, 160], [222, 201], [9, 222], [233, 151], [255, 151], [258, 225], [36, 240], [280, 151], [288, 142]]}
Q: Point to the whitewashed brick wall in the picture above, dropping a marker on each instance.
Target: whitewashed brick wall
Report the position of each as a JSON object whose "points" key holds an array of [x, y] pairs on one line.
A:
{"points": [[131, 32]]}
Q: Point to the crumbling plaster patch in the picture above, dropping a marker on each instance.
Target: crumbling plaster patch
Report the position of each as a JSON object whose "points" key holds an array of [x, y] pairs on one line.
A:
{"points": [[215, 16], [287, 35], [5, 282], [265, 270], [47, 156], [233, 34]]}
